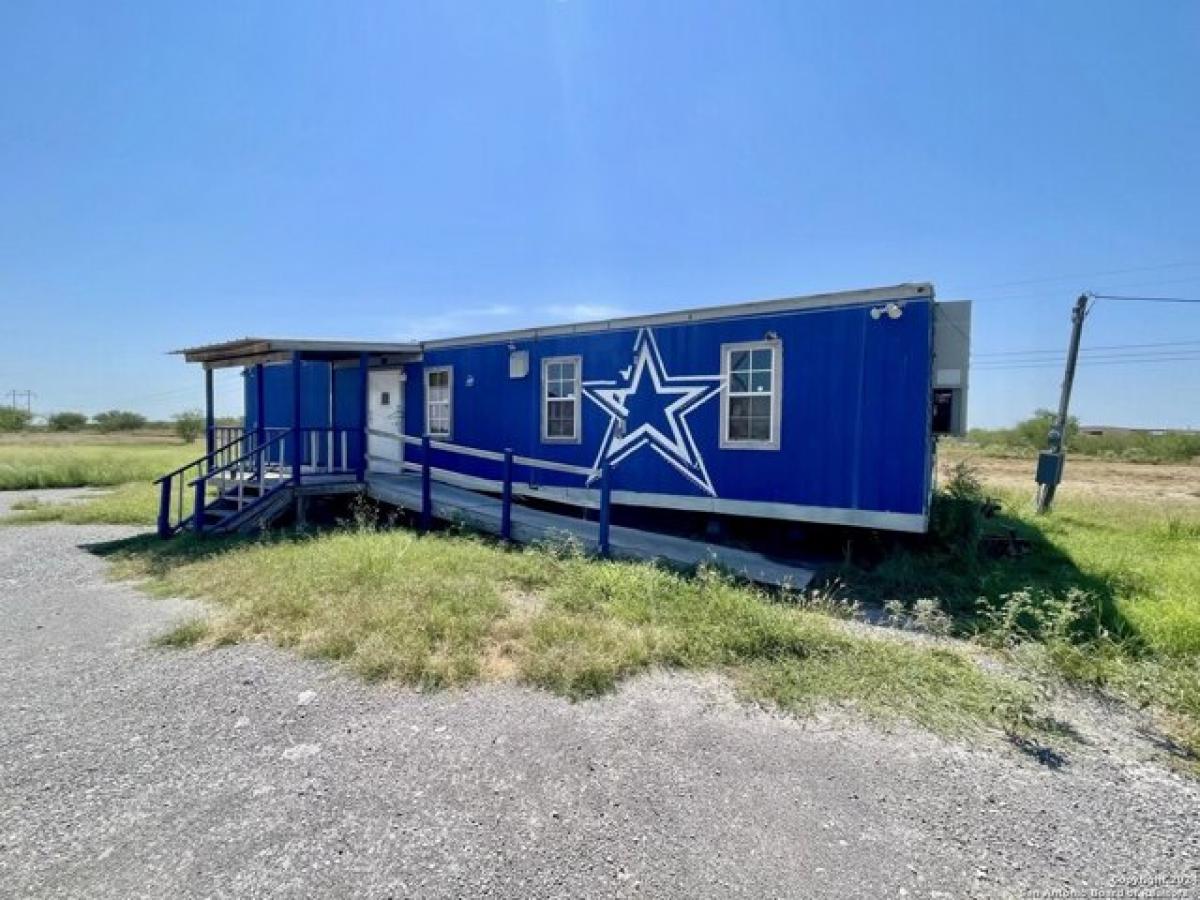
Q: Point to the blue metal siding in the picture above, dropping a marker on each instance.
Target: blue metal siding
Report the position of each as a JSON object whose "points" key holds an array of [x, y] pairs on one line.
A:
{"points": [[277, 397], [855, 406], [348, 407], [277, 385]]}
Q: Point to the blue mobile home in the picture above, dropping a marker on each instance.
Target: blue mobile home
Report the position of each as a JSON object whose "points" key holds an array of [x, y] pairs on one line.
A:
{"points": [[817, 409]]}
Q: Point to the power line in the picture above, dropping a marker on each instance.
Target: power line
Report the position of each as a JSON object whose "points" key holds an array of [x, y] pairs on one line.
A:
{"points": [[1125, 271], [1059, 351], [1049, 297], [229, 384], [1043, 295], [1145, 299], [1094, 357], [28, 395], [1104, 355], [1054, 363]]}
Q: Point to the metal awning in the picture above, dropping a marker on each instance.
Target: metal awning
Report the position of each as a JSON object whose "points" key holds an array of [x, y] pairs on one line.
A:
{"points": [[252, 350]]}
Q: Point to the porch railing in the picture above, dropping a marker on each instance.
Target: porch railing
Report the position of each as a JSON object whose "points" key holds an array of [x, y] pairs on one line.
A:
{"points": [[326, 451], [242, 471], [257, 468], [175, 506], [509, 461]]}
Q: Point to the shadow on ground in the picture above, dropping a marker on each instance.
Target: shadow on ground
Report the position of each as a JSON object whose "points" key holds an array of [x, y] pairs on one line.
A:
{"points": [[1030, 591], [162, 556]]}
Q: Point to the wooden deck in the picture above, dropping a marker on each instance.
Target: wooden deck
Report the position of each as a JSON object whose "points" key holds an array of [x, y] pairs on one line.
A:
{"points": [[482, 512]]}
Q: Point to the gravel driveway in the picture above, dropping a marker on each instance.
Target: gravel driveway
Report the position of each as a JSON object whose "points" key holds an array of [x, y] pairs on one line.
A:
{"points": [[131, 771]]}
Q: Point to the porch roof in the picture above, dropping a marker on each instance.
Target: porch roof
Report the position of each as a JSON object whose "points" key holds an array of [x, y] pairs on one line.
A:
{"points": [[249, 350]]}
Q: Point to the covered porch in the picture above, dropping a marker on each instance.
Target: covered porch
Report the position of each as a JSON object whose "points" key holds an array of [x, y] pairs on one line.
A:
{"points": [[315, 388], [304, 422]]}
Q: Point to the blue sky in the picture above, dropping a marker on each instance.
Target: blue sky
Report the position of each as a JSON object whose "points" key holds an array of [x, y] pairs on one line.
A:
{"points": [[177, 173]]}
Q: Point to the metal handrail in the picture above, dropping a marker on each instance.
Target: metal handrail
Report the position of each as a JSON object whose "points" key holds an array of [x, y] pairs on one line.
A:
{"points": [[509, 459], [552, 466], [229, 465], [173, 513], [200, 485], [202, 459], [327, 450], [528, 461]]}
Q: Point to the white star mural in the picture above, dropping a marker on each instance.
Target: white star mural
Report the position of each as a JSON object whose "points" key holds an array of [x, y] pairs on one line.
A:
{"points": [[629, 426]]}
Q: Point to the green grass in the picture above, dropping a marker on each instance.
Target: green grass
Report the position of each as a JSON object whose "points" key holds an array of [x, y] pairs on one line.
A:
{"points": [[446, 610], [128, 504], [87, 461], [1108, 597], [185, 634], [1136, 565], [1148, 558]]}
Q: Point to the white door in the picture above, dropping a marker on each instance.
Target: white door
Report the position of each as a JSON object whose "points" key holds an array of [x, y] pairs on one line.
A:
{"points": [[385, 421]]}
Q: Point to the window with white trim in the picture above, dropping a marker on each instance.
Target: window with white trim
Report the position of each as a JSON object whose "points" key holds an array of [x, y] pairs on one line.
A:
{"points": [[560, 399], [750, 406], [439, 401]]}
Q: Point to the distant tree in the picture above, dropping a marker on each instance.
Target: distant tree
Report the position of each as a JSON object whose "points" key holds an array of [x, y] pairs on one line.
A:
{"points": [[1032, 431], [189, 425], [119, 420], [67, 421], [14, 419]]}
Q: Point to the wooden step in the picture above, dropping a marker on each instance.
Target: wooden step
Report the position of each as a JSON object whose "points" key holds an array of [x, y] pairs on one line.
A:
{"points": [[254, 512]]}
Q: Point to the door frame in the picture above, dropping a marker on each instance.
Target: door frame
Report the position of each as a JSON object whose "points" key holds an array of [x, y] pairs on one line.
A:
{"points": [[397, 386]]}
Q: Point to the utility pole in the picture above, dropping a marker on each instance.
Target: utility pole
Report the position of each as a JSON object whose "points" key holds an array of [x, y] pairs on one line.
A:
{"points": [[1051, 460], [28, 395]]}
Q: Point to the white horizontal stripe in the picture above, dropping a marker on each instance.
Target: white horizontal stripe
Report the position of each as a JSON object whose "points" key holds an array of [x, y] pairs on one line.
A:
{"points": [[554, 466], [467, 451], [788, 512]]}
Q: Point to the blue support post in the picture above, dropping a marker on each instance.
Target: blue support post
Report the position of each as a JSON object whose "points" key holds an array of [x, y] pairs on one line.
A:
{"points": [[506, 497], [198, 507], [426, 486], [360, 464], [210, 421], [164, 509], [260, 420], [605, 506], [297, 407]]}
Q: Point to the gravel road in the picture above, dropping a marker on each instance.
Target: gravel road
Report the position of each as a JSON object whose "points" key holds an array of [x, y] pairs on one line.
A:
{"points": [[129, 771]]}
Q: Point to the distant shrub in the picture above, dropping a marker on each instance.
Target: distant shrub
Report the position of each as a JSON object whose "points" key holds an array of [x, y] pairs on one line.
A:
{"points": [[1029, 436], [119, 420], [1139, 446], [14, 419], [67, 421], [189, 425], [1029, 433]]}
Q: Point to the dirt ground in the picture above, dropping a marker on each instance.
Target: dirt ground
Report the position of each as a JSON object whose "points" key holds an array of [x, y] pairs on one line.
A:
{"points": [[131, 770], [1178, 485]]}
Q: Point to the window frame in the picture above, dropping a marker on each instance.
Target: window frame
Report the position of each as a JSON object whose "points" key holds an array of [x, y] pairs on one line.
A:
{"points": [[776, 420], [434, 370], [577, 419]]}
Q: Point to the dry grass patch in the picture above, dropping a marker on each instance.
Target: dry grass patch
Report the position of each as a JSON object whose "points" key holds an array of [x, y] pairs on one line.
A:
{"points": [[447, 609], [128, 504], [83, 461]]}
